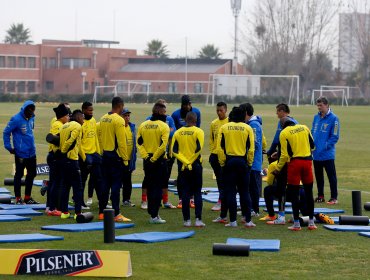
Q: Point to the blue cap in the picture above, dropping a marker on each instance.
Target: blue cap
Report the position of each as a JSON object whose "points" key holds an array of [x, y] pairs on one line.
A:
{"points": [[125, 111]]}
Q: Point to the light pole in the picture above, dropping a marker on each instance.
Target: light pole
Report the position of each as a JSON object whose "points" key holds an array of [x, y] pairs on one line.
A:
{"points": [[83, 75], [235, 7]]}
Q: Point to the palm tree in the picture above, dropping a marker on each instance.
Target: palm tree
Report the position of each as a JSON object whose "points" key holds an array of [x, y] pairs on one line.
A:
{"points": [[209, 51], [156, 48], [17, 34]]}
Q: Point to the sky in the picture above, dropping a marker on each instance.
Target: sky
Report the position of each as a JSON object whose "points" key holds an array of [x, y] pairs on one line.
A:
{"points": [[185, 26]]}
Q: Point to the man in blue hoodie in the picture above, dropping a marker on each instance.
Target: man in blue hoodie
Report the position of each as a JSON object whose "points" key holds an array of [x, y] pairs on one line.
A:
{"points": [[20, 129], [325, 132]]}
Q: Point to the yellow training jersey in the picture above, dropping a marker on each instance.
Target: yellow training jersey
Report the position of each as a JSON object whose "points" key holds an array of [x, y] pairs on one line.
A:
{"points": [[296, 142], [271, 177], [54, 129], [187, 144], [235, 139], [113, 134], [89, 137], [152, 138], [213, 133], [70, 140], [129, 141]]}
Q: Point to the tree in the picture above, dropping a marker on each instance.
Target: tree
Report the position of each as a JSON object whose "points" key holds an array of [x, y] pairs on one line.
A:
{"points": [[156, 48], [17, 34], [209, 51]]}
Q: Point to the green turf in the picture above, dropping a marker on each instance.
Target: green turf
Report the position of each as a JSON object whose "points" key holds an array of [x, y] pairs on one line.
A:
{"points": [[304, 255]]}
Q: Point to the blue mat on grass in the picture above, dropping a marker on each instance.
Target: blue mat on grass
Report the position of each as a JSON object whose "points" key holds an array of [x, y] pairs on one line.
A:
{"points": [[366, 234], [27, 206], [348, 228], [151, 237], [271, 245], [6, 195], [4, 191], [316, 210], [13, 218], [25, 212], [83, 227], [37, 183], [28, 237]]}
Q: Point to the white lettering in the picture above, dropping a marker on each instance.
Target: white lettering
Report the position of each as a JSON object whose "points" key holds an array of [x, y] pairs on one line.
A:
{"points": [[30, 262]]}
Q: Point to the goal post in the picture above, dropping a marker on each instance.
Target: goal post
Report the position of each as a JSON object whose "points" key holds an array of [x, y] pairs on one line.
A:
{"points": [[97, 88], [334, 92]]}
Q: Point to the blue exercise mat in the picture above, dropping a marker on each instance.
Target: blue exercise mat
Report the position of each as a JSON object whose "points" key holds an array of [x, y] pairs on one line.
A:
{"points": [[24, 212], [13, 218], [28, 237], [83, 227], [6, 195], [27, 206], [136, 186], [316, 210], [271, 245], [4, 191], [151, 237], [348, 228], [366, 234], [37, 183]]}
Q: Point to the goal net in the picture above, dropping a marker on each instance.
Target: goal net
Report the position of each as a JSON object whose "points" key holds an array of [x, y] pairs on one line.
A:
{"points": [[99, 90]]}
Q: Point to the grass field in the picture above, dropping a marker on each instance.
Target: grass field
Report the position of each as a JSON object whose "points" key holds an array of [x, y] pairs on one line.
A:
{"points": [[303, 255]]}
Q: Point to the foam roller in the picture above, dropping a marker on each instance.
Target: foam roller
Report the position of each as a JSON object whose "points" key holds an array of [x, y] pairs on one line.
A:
{"points": [[172, 182], [356, 203], [5, 200], [353, 220], [367, 206], [109, 226], [84, 218], [10, 182], [222, 249], [303, 221]]}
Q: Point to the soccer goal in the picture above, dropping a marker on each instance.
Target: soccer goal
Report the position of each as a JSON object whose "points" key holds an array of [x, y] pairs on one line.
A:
{"points": [[104, 89], [231, 86], [335, 93]]}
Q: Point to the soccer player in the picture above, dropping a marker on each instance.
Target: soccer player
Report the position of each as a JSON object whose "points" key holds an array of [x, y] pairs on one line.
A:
{"points": [[236, 153], [179, 119], [20, 128], [325, 132], [296, 145], [112, 135], [131, 153], [70, 147], [152, 139], [187, 146], [221, 110]]}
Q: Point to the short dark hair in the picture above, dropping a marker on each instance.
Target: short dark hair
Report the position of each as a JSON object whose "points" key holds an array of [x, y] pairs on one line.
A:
{"points": [[117, 101], [75, 113], [185, 100], [221, 103], [191, 117], [237, 115], [248, 108], [157, 106], [86, 105], [283, 107], [323, 100]]}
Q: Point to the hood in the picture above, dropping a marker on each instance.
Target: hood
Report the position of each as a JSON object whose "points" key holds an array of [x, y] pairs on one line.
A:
{"points": [[255, 119], [25, 104]]}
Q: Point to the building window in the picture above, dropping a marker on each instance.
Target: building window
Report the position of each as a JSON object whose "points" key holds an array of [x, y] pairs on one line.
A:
{"points": [[76, 63], [172, 88], [52, 62], [21, 62], [10, 87], [86, 86], [49, 85], [44, 62], [2, 87], [11, 61], [31, 87], [21, 87], [198, 88], [32, 62], [2, 61]]}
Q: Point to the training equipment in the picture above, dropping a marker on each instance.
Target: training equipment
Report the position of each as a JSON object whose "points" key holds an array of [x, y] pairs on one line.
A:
{"points": [[366, 234], [5, 200], [347, 228], [25, 212], [354, 220], [10, 182], [83, 227], [172, 182], [136, 186], [109, 229], [151, 237], [271, 245], [356, 203], [4, 191], [303, 221], [84, 217], [13, 218], [26, 206], [320, 217], [367, 206], [239, 250], [316, 210], [28, 237]]}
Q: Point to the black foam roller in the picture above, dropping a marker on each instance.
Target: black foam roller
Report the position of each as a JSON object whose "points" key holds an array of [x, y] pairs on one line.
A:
{"points": [[222, 249], [5, 200], [367, 206], [109, 226], [172, 182], [85, 218], [303, 221], [356, 203], [10, 182], [353, 220]]}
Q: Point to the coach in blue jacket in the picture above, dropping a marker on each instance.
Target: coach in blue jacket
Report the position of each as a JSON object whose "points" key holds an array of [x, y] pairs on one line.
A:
{"points": [[325, 132], [20, 128]]}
